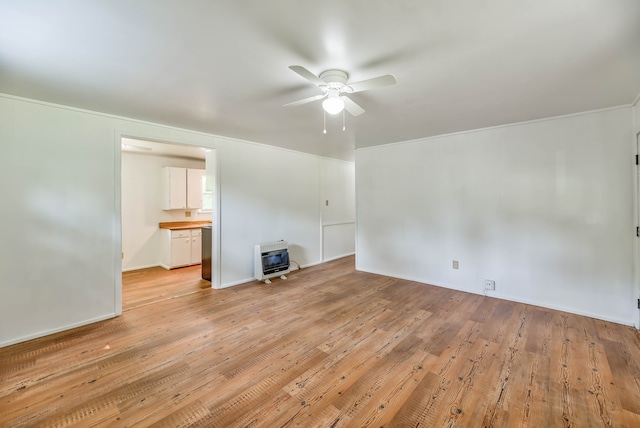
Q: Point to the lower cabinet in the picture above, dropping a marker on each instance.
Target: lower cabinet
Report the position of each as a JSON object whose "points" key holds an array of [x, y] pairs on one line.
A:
{"points": [[181, 248]]}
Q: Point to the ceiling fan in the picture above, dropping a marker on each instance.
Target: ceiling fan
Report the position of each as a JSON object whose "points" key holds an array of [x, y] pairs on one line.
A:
{"points": [[333, 84]]}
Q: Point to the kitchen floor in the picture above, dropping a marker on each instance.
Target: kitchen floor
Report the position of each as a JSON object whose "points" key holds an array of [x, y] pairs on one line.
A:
{"points": [[147, 286]]}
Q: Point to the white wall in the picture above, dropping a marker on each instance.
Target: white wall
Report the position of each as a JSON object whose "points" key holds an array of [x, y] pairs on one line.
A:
{"points": [[338, 208], [276, 194], [57, 256], [267, 195], [60, 168], [543, 208], [142, 206]]}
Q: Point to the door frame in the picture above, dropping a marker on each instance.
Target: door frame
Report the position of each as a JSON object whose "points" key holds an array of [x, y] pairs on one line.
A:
{"points": [[636, 288], [212, 154]]}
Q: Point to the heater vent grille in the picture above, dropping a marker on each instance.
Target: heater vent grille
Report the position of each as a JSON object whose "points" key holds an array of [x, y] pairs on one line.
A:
{"points": [[271, 260], [273, 246]]}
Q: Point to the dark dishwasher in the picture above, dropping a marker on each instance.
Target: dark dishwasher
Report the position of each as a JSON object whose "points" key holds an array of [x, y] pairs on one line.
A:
{"points": [[206, 252]]}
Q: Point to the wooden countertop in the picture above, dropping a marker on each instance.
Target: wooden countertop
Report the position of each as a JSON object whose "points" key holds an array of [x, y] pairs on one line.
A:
{"points": [[180, 225]]}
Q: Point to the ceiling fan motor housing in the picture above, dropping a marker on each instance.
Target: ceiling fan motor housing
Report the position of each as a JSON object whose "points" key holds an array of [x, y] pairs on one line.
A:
{"points": [[335, 79]]}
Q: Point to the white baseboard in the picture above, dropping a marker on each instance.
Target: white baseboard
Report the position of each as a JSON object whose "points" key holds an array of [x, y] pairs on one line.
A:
{"points": [[56, 330], [292, 269], [141, 267], [507, 297], [242, 281], [337, 257]]}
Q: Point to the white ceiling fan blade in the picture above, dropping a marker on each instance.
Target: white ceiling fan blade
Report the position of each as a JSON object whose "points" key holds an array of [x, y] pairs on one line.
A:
{"points": [[308, 75], [376, 82], [350, 106], [305, 100]]}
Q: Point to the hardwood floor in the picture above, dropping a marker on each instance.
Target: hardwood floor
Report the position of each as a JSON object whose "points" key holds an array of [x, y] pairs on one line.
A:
{"points": [[330, 347], [149, 286]]}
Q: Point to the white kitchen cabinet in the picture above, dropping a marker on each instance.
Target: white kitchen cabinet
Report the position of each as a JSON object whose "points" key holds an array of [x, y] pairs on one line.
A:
{"points": [[195, 188], [182, 188], [181, 248], [196, 246]]}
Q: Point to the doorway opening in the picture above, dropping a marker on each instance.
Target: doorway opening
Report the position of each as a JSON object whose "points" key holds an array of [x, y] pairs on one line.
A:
{"points": [[161, 238]]}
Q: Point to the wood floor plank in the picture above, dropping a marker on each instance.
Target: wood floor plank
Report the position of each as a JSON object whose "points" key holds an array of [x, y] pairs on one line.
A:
{"points": [[317, 388], [466, 391], [329, 347], [626, 373], [505, 388], [250, 398], [420, 408], [397, 379]]}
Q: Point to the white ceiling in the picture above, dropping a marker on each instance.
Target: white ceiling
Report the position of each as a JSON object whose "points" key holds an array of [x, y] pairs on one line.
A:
{"points": [[222, 66]]}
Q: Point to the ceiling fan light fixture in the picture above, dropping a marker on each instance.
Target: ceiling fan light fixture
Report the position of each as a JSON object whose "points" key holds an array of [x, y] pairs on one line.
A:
{"points": [[333, 83], [333, 105]]}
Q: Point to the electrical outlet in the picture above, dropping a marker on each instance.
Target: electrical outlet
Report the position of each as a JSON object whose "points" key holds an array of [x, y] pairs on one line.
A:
{"points": [[187, 213], [489, 284], [456, 265]]}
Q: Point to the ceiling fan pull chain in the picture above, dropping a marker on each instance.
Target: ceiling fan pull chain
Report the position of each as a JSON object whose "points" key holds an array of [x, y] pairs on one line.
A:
{"points": [[324, 115], [343, 122]]}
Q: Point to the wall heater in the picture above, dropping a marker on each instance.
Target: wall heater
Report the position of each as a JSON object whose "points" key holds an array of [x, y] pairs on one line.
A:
{"points": [[271, 260]]}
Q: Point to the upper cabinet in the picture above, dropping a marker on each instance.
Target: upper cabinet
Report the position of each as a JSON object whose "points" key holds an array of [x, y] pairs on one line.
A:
{"points": [[182, 188], [195, 188]]}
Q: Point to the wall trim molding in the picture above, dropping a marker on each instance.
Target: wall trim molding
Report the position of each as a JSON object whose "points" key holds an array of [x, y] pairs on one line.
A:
{"points": [[489, 128], [174, 128]]}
